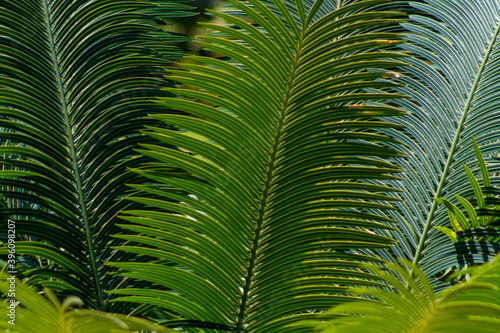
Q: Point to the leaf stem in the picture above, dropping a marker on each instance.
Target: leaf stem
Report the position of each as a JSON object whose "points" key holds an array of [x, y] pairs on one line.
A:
{"points": [[265, 196]]}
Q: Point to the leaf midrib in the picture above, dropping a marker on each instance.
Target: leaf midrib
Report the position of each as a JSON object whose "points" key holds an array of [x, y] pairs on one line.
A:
{"points": [[72, 151], [453, 148], [265, 194]]}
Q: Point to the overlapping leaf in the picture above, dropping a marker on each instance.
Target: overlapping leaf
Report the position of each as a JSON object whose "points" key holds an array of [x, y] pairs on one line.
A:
{"points": [[30, 312], [265, 192], [471, 306], [452, 79], [77, 80]]}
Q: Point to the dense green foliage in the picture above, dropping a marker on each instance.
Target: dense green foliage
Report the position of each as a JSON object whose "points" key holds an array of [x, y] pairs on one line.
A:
{"points": [[76, 85], [472, 306], [481, 216], [246, 211], [451, 78], [48, 315], [329, 153]]}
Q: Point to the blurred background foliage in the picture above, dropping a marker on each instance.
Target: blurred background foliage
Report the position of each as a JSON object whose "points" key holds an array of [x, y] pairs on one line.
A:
{"points": [[190, 25]]}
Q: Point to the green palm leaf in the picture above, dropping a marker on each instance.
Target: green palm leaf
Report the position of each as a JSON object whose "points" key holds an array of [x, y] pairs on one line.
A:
{"points": [[452, 79], [471, 306], [475, 219], [33, 312], [254, 212], [77, 81]]}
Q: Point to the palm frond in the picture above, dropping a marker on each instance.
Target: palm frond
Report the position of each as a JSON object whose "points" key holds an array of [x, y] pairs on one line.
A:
{"points": [[77, 80], [27, 311], [451, 78], [262, 191], [471, 306], [471, 217]]}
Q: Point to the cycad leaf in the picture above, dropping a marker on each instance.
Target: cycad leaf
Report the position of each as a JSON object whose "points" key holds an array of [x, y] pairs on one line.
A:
{"points": [[471, 306], [448, 232], [258, 229], [30, 312], [457, 218], [451, 77], [469, 208], [482, 165], [77, 79]]}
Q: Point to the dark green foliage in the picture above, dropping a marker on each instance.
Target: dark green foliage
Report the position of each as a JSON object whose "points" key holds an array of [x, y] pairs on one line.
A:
{"points": [[266, 193], [77, 82]]}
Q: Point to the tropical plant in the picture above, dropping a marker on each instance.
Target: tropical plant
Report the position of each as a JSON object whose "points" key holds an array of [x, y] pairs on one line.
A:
{"points": [[249, 192], [450, 76], [476, 218], [50, 316], [451, 79], [77, 80], [262, 190], [472, 306]]}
